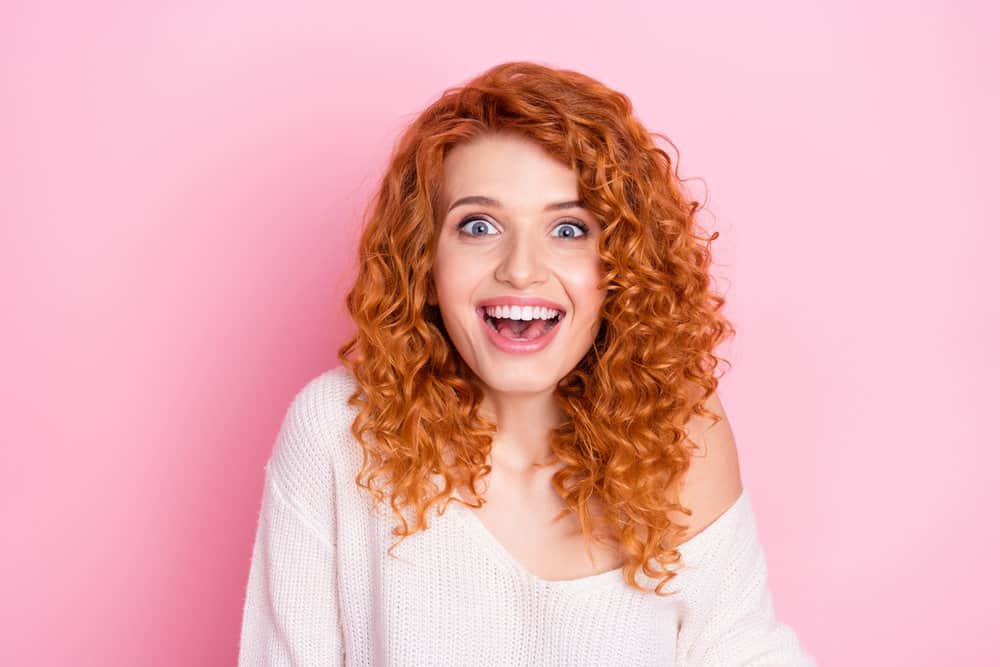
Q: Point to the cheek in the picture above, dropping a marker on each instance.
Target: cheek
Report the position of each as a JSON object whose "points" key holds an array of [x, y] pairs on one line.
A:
{"points": [[581, 281], [455, 276]]}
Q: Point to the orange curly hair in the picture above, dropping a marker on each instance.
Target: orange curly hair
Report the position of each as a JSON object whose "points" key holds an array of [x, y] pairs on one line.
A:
{"points": [[652, 364]]}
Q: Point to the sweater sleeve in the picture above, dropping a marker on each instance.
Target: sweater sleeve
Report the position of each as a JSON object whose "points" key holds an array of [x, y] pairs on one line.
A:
{"points": [[727, 616], [290, 615]]}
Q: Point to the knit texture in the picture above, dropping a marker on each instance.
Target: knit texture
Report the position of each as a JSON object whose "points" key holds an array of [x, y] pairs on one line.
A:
{"points": [[323, 591]]}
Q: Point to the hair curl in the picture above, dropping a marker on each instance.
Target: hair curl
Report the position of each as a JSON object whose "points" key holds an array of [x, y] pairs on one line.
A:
{"points": [[652, 364]]}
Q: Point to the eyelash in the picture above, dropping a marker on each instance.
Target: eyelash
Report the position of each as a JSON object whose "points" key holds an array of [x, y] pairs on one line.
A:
{"points": [[576, 223]]}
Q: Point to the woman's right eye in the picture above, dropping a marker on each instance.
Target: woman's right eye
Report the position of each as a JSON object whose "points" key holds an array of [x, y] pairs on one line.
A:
{"points": [[480, 225]]}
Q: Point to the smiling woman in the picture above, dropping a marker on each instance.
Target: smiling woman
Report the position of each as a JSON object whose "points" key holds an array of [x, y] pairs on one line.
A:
{"points": [[534, 360]]}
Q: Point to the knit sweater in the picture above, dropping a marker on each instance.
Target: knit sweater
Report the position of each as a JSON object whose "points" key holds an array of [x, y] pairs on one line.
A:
{"points": [[323, 591]]}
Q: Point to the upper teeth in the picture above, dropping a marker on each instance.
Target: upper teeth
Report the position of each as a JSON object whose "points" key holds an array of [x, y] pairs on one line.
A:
{"points": [[522, 312]]}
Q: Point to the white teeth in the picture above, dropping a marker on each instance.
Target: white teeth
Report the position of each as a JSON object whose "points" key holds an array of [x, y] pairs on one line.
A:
{"points": [[521, 313]]}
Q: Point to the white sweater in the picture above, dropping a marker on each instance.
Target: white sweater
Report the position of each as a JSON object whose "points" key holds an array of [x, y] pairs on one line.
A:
{"points": [[323, 591]]}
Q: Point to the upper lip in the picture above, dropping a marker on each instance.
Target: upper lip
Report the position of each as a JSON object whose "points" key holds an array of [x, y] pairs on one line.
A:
{"points": [[520, 301]]}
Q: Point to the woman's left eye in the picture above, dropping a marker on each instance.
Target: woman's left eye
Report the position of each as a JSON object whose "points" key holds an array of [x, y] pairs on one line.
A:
{"points": [[579, 225]]}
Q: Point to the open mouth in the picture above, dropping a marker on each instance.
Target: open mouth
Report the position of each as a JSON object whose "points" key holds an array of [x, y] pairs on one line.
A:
{"points": [[520, 330]]}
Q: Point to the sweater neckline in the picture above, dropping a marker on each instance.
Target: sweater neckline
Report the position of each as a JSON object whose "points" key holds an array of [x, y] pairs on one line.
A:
{"points": [[477, 530], [692, 547]]}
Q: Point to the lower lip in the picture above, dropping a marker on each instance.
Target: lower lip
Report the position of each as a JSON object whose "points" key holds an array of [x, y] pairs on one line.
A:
{"points": [[520, 346]]}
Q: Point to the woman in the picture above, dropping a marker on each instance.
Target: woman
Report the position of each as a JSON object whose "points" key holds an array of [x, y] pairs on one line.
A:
{"points": [[534, 361]]}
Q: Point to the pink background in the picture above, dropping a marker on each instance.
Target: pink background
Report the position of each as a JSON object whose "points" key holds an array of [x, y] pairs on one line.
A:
{"points": [[182, 186]]}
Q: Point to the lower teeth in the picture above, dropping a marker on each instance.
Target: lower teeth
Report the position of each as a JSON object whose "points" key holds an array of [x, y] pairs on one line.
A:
{"points": [[548, 326]]}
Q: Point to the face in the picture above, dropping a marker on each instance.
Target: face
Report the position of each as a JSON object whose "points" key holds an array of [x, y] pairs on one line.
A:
{"points": [[518, 245]]}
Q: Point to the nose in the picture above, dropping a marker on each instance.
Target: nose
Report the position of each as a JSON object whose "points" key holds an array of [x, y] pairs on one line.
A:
{"points": [[523, 262]]}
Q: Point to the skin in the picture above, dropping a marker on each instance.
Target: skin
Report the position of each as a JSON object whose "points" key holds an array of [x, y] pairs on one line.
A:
{"points": [[519, 248]]}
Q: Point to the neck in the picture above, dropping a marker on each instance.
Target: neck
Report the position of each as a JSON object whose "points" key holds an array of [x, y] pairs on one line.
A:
{"points": [[523, 425]]}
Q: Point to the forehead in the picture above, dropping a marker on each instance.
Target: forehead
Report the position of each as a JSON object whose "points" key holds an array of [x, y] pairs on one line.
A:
{"points": [[509, 168]]}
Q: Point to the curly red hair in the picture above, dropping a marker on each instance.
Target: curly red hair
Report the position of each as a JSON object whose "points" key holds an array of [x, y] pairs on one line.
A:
{"points": [[650, 369]]}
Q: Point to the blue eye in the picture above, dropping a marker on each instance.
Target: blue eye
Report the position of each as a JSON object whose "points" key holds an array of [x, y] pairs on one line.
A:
{"points": [[579, 225], [478, 219], [466, 221]]}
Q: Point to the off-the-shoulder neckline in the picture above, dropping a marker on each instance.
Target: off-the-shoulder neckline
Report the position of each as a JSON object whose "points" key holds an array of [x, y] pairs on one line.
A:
{"points": [[489, 541], [716, 526], [694, 543]]}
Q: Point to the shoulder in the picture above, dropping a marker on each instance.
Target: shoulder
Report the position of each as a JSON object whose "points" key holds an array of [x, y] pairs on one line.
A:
{"points": [[315, 428], [713, 484], [320, 406]]}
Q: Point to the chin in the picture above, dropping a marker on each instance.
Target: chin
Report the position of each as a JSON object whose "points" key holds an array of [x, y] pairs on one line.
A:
{"points": [[514, 380]]}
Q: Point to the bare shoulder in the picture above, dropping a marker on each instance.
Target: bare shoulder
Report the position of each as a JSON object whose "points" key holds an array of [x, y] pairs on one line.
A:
{"points": [[712, 484]]}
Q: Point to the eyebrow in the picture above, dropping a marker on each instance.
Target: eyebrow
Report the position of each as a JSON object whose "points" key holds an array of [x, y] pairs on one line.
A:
{"points": [[489, 201]]}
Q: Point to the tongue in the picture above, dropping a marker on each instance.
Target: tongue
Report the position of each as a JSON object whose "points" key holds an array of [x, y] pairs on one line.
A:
{"points": [[521, 329]]}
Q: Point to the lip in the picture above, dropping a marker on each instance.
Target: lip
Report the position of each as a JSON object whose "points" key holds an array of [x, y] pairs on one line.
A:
{"points": [[517, 346]]}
